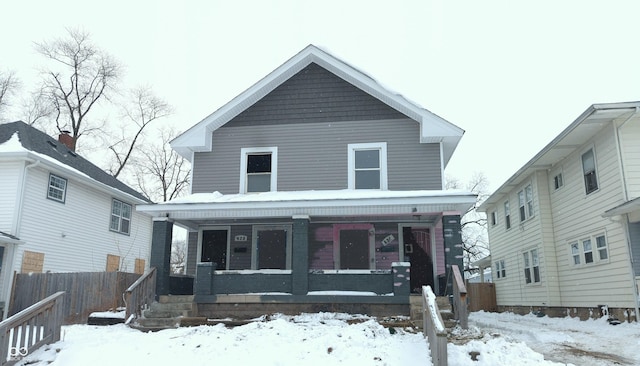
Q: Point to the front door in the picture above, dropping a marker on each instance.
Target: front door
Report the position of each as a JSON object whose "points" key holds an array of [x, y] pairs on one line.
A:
{"points": [[214, 247], [417, 251]]}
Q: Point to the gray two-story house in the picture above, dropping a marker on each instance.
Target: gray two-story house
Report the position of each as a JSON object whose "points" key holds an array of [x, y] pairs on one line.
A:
{"points": [[316, 188]]}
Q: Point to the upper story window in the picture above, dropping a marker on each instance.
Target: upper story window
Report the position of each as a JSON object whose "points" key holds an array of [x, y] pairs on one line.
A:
{"points": [[120, 217], [507, 215], [589, 171], [525, 200], [494, 218], [57, 188], [259, 169], [367, 166], [558, 181]]}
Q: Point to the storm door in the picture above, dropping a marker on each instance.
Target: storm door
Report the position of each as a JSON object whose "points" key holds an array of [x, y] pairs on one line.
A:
{"points": [[418, 252], [215, 246]]}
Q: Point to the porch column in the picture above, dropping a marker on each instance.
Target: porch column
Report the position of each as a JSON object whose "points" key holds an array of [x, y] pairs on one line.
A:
{"points": [[300, 255], [161, 253], [452, 233]]}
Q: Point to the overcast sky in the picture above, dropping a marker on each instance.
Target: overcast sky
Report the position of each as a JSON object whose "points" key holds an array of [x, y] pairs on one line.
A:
{"points": [[512, 74]]}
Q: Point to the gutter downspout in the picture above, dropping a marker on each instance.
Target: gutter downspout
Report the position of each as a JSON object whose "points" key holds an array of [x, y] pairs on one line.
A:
{"points": [[625, 194]]}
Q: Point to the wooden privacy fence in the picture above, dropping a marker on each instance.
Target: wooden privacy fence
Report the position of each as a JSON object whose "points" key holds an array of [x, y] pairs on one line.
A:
{"points": [[31, 328], [86, 292], [482, 296]]}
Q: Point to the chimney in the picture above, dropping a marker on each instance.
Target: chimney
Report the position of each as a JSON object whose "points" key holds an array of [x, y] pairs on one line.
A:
{"points": [[66, 139]]}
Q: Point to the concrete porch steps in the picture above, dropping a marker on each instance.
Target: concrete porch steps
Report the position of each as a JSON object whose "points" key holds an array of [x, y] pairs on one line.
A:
{"points": [[444, 305], [165, 313]]}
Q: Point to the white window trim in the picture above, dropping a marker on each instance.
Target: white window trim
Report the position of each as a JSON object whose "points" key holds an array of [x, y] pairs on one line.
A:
{"points": [[595, 252], [244, 152], [121, 217], [531, 267], [64, 191], [595, 167], [382, 147]]}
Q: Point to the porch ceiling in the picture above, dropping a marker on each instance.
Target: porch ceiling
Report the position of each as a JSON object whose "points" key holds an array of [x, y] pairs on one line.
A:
{"points": [[419, 206]]}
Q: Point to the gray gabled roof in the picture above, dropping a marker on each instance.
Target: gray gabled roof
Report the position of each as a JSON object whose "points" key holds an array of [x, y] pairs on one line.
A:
{"points": [[433, 129], [39, 142]]}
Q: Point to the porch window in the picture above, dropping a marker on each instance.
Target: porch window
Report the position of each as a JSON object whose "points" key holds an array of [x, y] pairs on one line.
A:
{"points": [[57, 188], [258, 169], [589, 171], [120, 217], [588, 251], [215, 247], [584, 252], [575, 253], [271, 247], [367, 166], [531, 266], [601, 246], [354, 246]]}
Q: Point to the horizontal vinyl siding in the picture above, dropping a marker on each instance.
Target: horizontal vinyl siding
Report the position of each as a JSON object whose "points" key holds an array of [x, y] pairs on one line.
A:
{"points": [[75, 236], [314, 95], [577, 215], [313, 156], [630, 147], [509, 245], [11, 173]]}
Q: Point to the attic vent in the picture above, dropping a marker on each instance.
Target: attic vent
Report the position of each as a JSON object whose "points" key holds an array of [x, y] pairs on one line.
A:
{"points": [[52, 143]]}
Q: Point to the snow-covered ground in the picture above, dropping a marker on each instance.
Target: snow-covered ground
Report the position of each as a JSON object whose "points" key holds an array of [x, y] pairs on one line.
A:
{"points": [[339, 339]]}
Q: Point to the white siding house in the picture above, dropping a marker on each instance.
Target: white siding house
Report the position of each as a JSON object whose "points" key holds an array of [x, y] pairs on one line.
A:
{"points": [[60, 213], [574, 213]]}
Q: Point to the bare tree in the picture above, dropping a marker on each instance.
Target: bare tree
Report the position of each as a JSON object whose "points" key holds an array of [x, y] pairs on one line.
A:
{"points": [[178, 256], [8, 85], [162, 174], [474, 223], [143, 109], [37, 108], [82, 77]]}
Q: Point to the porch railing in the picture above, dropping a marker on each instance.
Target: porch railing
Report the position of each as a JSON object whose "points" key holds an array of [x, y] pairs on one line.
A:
{"points": [[433, 327], [31, 328], [140, 295], [460, 311]]}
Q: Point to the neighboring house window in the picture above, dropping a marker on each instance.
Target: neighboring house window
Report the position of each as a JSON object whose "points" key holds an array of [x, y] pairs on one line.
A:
{"points": [[120, 217], [501, 271], [531, 266], [558, 181], [494, 218], [525, 200], [259, 169], [507, 215], [584, 252], [367, 166], [589, 171], [57, 188]]}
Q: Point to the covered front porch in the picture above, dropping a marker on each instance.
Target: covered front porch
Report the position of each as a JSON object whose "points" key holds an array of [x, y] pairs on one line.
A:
{"points": [[312, 251]]}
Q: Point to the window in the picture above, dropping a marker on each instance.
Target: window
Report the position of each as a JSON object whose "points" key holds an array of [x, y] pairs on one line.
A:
{"points": [[583, 251], [354, 246], [558, 181], [601, 246], [271, 247], [575, 253], [525, 201], [589, 171], [507, 215], [120, 217], [494, 218], [57, 188], [531, 266], [258, 169], [367, 166], [501, 272]]}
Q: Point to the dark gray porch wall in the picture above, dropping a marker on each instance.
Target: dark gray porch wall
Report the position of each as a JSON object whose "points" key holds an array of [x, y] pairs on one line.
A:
{"points": [[161, 254], [634, 237], [453, 251]]}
